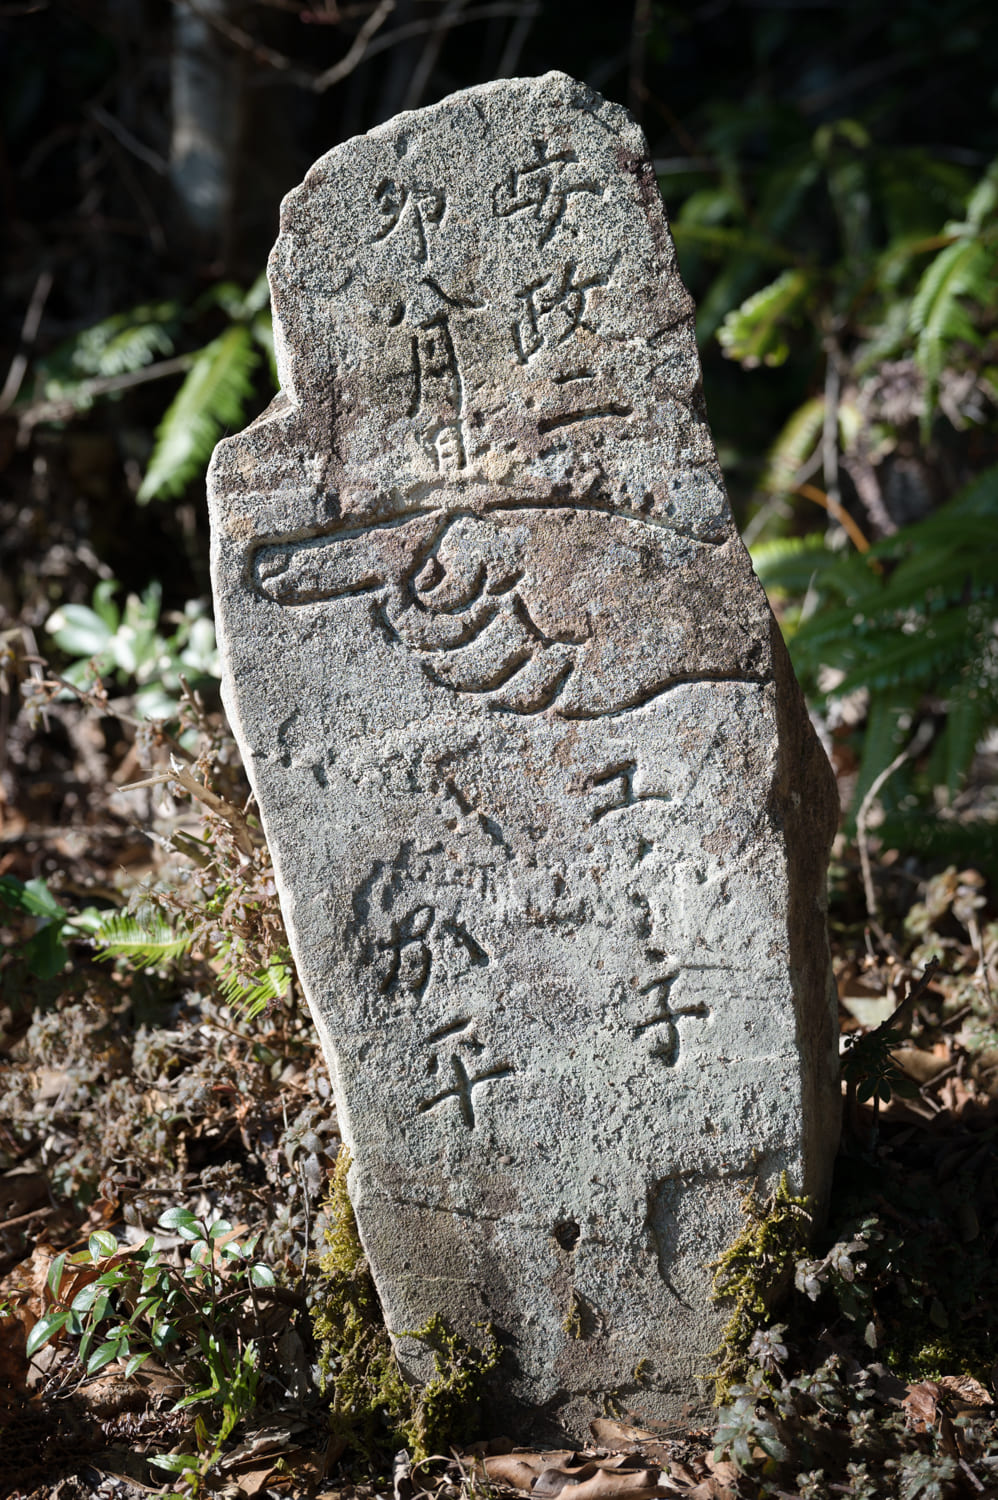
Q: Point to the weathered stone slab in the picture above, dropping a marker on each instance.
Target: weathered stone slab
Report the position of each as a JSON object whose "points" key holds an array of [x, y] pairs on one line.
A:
{"points": [[549, 821]]}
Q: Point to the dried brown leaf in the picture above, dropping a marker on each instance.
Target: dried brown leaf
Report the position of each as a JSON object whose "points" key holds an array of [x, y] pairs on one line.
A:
{"points": [[606, 1484], [921, 1404], [614, 1476], [13, 1361], [516, 1469], [615, 1435], [551, 1482], [965, 1392], [712, 1488]]}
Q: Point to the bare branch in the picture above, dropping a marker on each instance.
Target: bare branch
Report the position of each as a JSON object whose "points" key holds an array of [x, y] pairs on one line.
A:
{"points": [[914, 747], [419, 28], [420, 76], [358, 50], [61, 408], [239, 38], [519, 32], [641, 25], [130, 142], [29, 330]]}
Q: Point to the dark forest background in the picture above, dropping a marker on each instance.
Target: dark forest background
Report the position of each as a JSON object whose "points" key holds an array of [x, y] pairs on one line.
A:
{"points": [[182, 1292]]}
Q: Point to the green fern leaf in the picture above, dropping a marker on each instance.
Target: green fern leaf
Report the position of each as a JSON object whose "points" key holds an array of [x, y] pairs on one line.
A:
{"points": [[724, 241], [729, 288], [754, 333], [928, 581], [790, 564], [251, 996], [930, 654], [883, 739], [938, 316], [890, 339], [127, 341], [982, 204], [969, 710], [212, 398], [979, 498], [794, 446], [145, 944]]}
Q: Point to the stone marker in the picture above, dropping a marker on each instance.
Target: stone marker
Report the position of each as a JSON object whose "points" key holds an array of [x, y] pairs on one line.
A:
{"points": [[549, 821]]}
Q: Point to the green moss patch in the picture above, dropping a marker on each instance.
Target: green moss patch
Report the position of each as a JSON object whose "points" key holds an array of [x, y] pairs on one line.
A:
{"points": [[374, 1410]]}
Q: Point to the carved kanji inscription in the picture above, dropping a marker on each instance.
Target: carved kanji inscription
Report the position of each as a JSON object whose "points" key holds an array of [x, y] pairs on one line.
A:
{"points": [[548, 820]]}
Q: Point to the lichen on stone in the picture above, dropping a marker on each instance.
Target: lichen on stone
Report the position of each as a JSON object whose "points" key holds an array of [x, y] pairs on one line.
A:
{"points": [[572, 1321]]}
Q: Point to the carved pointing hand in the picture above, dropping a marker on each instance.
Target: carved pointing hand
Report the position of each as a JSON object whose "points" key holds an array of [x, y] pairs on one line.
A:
{"points": [[559, 607]]}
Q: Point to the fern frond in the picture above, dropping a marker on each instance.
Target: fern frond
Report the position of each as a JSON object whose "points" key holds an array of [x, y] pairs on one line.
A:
{"points": [[927, 581], [930, 655], [145, 944], [952, 841], [753, 333], [723, 241], [793, 447], [883, 737], [213, 397], [127, 341], [970, 709], [791, 563], [978, 498], [890, 338], [744, 255], [938, 317], [258, 297], [925, 625], [251, 996], [982, 205]]}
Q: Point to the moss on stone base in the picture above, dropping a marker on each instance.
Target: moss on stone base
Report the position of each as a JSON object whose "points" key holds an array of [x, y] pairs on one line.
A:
{"points": [[373, 1409], [752, 1272]]}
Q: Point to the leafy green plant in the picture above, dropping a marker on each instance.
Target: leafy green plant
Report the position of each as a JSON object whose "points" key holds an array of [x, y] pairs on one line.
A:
{"points": [[150, 941], [126, 1306], [798, 1407], [214, 393], [957, 287], [911, 623], [948, 300], [119, 345], [218, 378], [127, 643], [864, 274], [220, 902], [46, 925]]}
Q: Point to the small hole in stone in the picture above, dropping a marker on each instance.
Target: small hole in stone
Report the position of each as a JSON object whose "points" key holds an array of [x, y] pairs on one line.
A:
{"points": [[567, 1234]]}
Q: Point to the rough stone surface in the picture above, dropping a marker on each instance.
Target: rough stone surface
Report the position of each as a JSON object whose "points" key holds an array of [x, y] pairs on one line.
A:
{"points": [[549, 821]]}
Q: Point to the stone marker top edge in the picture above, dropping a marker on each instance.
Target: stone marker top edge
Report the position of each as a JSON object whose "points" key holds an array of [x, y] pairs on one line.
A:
{"points": [[555, 88], [576, 94]]}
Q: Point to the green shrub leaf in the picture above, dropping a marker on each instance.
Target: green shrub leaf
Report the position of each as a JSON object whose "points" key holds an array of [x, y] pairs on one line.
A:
{"points": [[45, 1329]]}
